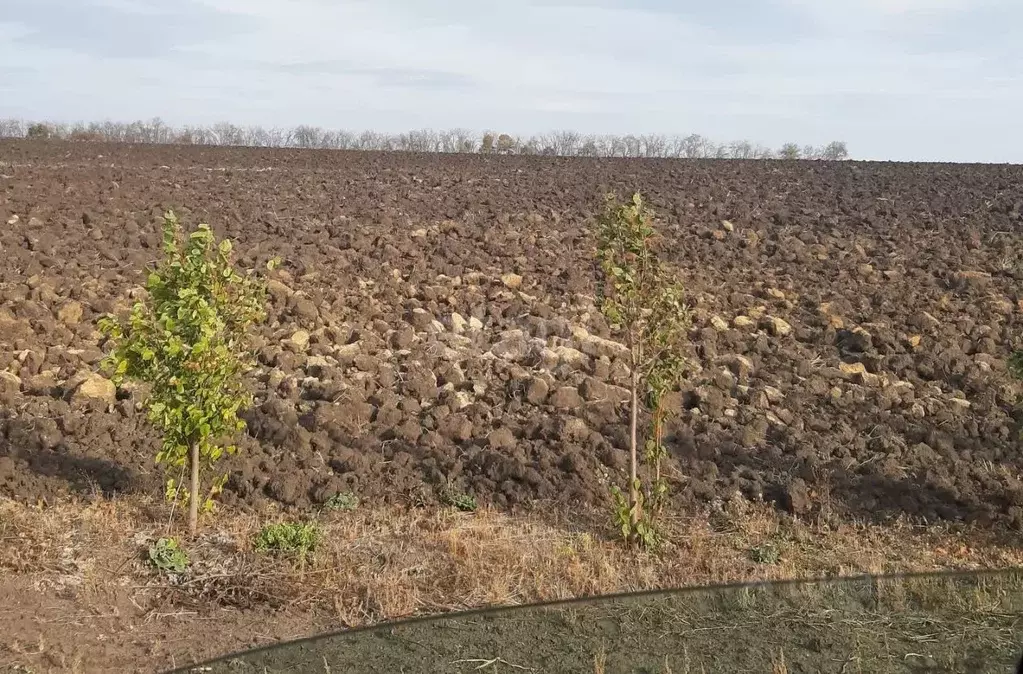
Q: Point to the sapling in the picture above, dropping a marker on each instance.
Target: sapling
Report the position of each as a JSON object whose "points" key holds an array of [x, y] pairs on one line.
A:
{"points": [[643, 301], [186, 339]]}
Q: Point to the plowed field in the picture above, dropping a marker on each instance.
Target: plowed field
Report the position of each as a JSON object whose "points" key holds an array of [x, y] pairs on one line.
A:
{"points": [[433, 329]]}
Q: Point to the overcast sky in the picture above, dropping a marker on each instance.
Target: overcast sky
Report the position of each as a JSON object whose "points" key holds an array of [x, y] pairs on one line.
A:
{"points": [[896, 79]]}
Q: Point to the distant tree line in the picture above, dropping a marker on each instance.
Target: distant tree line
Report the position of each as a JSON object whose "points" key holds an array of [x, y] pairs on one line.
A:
{"points": [[557, 143]]}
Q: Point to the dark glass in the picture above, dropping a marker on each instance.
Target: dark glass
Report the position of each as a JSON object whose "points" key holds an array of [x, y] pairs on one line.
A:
{"points": [[963, 622]]}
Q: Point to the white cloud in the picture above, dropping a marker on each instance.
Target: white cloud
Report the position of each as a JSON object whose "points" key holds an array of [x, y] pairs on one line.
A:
{"points": [[858, 72]]}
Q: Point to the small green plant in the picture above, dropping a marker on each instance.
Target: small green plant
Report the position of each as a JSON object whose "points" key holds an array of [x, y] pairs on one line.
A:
{"points": [[767, 553], [186, 339], [167, 556], [643, 301], [462, 501], [345, 501], [1016, 364], [296, 539], [642, 532]]}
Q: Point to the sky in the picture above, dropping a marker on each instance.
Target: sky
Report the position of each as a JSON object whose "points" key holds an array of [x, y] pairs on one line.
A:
{"points": [[925, 80]]}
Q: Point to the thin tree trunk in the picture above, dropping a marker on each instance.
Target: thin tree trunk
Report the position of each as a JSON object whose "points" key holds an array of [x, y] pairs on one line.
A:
{"points": [[658, 435], [193, 494], [634, 506]]}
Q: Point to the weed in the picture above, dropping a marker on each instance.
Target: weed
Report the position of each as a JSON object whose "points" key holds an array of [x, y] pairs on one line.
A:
{"points": [[767, 553], [642, 531], [462, 501], [288, 538], [167, 556], [345, 501]]}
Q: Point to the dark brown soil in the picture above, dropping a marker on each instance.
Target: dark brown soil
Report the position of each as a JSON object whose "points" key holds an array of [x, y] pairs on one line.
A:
{"points": [[881, 391], [55, 631]]}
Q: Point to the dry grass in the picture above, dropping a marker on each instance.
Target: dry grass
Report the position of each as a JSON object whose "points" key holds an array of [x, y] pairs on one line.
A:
{"points": [[778, 665], [378, 564], [87, 560]]}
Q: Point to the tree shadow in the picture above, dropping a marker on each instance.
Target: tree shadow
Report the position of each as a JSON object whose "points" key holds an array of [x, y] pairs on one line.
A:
{"points": [[83, 474], [38, 458], [877, 498], [948, 491]]}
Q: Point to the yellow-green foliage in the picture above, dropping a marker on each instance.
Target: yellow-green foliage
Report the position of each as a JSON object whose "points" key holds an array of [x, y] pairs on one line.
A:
{"points": [[186, 339], [643, 301]]}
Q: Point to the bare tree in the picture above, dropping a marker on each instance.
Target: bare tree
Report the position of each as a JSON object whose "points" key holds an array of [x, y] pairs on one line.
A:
{"points": [[365, 141], [654, 146], [566, 143], [695, 146], [226, 133], [12, 128], [114, 132], [632, 146], [674, 148], [256, 137], [416, 141], [742, 149], [615, 147], [588, 148], [272, 137], [558, 143], [835, 151], [159, 131], [448, 141], [600, 144], [463, 140], [305, 136], [610, 145], [345, 139]]}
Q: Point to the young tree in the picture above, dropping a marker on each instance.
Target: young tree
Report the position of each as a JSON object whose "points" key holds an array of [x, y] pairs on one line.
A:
{"points": [[186, 339], [643, 302]]}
